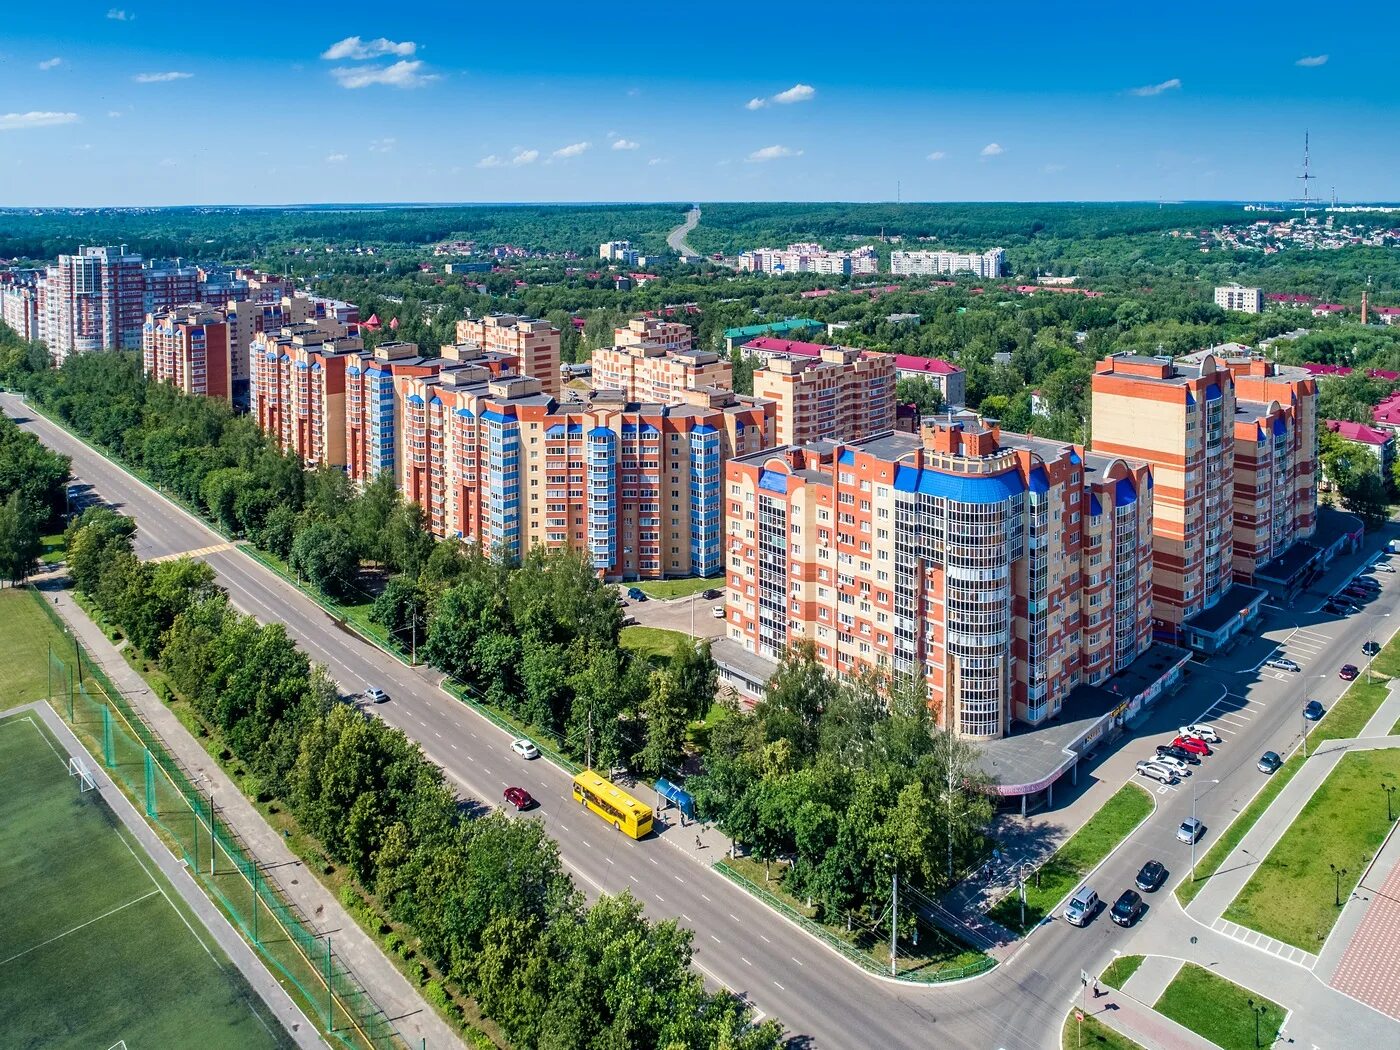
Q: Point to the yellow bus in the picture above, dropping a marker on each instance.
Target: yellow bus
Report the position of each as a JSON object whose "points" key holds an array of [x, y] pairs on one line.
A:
{"points": [[613, 804]]}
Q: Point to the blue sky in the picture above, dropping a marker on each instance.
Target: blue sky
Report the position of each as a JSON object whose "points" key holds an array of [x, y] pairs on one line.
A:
{"points": [[162, 103]]}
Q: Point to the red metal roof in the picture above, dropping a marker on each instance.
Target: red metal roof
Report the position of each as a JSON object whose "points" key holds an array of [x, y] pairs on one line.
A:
{"points": [[1358, 432], [910, 363]]}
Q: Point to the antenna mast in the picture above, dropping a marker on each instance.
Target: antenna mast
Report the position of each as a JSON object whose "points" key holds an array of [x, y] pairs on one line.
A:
{"points": [[1307, 175]]}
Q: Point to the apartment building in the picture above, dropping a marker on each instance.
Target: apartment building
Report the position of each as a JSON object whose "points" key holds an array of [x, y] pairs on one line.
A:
{"points": [[637, 487], [19, 303], [843, 394], [167, 284], [1000, 571], [189, 347], [619, 252], [297, 388], [653, 358], [991, 263], [92, 301], [947, 378], [810, 258], [535, 342], [654, 333], [1239, 299]]}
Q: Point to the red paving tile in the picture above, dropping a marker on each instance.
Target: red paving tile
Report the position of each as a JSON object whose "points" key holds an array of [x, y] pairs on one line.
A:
{"points": [[1370, 968]]}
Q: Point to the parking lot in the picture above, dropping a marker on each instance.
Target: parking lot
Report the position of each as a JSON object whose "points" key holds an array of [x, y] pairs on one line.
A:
{"points": [[693, 616]]}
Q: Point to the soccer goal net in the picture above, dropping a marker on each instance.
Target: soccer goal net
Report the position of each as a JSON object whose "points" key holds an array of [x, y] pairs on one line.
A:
{"points": [[78, 769]]}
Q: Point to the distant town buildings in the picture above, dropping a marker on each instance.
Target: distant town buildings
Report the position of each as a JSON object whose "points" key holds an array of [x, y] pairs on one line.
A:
{"points": [[990, 263], [792, 328], [618, 252], [809, 258], [1240, 299]]}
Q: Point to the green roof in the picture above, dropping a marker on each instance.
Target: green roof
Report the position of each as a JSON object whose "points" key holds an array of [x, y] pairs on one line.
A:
{"points": [[792, 324]]}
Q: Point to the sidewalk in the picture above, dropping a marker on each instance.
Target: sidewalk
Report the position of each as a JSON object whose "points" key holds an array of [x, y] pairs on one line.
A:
{"points": [[1140, 1023], [413, 1018], [1152, 978]]}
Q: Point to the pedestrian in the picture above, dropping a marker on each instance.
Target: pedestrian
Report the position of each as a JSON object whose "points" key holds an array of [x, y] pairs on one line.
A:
{"points": [[698, 844], [1096, 987]]}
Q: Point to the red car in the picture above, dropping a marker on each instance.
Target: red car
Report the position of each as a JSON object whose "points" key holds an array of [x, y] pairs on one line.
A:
{"points": [[1348, 672], [1194, 744], [519, 798]]}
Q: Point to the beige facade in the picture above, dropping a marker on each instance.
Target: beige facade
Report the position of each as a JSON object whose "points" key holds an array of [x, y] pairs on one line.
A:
{"points": [[846, 395], [653, 373], [535, 342]]}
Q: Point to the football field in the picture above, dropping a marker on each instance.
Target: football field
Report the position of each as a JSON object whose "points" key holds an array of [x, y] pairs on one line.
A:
{"points": [[96, 948]]}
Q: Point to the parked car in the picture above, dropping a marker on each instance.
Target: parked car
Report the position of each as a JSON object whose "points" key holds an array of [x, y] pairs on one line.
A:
{"points": [[1194, 744], [1281, 663], [711, 593], [717, 612], [375, 695], [1127, 908], [524, 748], [1371, 648], [1355, 593], [1082, 906], [518, 797], [1369, 582], [1191, 830], [1156, 771], [636, 594], [1200, 729], [1152, 875], [1338, 608], [1314, 710], [1383, 566], [1179, 752], [1348, 672], [1269, 762], [1179, 766], [629, 621]]}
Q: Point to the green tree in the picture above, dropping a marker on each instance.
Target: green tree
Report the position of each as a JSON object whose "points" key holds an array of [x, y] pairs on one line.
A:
{"points": [[664, 718], [20, 544], [322, 553], [925, 395]]}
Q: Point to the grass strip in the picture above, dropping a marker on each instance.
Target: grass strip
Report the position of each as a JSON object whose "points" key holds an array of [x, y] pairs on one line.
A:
{"points": [[1093, 1033], [1116, 974], [1220, 1010]]}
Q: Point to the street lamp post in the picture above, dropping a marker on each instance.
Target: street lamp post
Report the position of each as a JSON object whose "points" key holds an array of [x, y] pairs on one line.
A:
{"points": [[1258, 1010], [1339, 873], [1193, 825], [1389, 790]]}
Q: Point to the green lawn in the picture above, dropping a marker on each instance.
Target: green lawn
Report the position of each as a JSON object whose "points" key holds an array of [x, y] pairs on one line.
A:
{"points": [[1094, 1034], [94, 947], [24, 667], [1219, 1010], [1292, 896], [1114, 821], [53, 548], [677, 588], [1116, 974], [1346, 718], [652, 643]]}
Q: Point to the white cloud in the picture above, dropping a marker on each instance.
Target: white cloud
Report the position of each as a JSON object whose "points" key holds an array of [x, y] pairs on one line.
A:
{"points": [[992, 149], [403, 74], [937, 154], [35, 119], [1054, 169], [491, 160], [655, 161], [337, 158], [382, 145], [574, 149], [517, 159], [1311, 61], [625, 144], [160, 78], [773, 153], [51, 63], [1149, 90], [118, 15], [796, 93], [525, 156], [354, 47], [114, 113]]}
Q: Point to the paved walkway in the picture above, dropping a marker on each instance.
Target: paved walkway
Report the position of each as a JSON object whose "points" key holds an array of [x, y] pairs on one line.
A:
{"points": [[414, 1019], [301, 1030], [1362, 954], [1142, 1024], [1152, 978]]}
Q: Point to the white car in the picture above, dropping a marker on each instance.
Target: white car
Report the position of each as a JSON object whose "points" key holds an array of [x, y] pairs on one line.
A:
{"points": [[1156, 771], [1382, 566], [1176, 765], [524, 748], [718, 612], [1205, 732]]}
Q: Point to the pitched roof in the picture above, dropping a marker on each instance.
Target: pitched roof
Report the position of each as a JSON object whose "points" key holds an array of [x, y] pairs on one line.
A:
{"points": [[1358, 432], [910, 363]]}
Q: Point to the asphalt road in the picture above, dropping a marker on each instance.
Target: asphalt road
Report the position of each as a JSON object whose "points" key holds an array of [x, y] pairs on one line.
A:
{"points": [[824, 1000], [676, 238]]}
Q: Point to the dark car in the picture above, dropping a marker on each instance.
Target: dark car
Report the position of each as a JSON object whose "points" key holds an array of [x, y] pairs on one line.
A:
{"points": [[1194, 744], [1152, 875], [1127, 908], [1179, 752], [1371, 648], [1348, 672], [711, 594], [1355, 593], [518, 797], [1269, 762], [1314, 710], [1339, 606]]}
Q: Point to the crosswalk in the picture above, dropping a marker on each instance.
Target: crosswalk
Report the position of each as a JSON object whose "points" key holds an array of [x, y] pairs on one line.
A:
{"points": [[198, 552], [1255, 939]]}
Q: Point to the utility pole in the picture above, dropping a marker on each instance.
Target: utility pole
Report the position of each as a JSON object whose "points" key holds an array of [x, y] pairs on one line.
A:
{"points": [[894, 918], [588, 760]]}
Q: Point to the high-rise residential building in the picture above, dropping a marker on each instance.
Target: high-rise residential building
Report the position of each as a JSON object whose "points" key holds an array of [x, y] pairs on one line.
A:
{"points": [[652, 359], [810, 258], [19, 303], [169, 283], [1180, 418], [999, 571], [93, 301], [1243, 300], [297, 388], [990, 263], [189, 347], [618, 251], [636, 487], [843, 395], [535, 342], [248, 318]]}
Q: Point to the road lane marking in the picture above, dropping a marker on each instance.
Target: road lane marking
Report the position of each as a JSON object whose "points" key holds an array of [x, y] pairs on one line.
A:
{"points": [[659, 897], [686, 917], [678, 878], [634, 878], [764, 939], [706, 898], [795, 959], [746, 962], [715, 939], [780, 986], [733, 916]]}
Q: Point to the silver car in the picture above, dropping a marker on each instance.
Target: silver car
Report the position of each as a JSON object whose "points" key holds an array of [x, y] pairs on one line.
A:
{"points": [[1156, 771]]}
